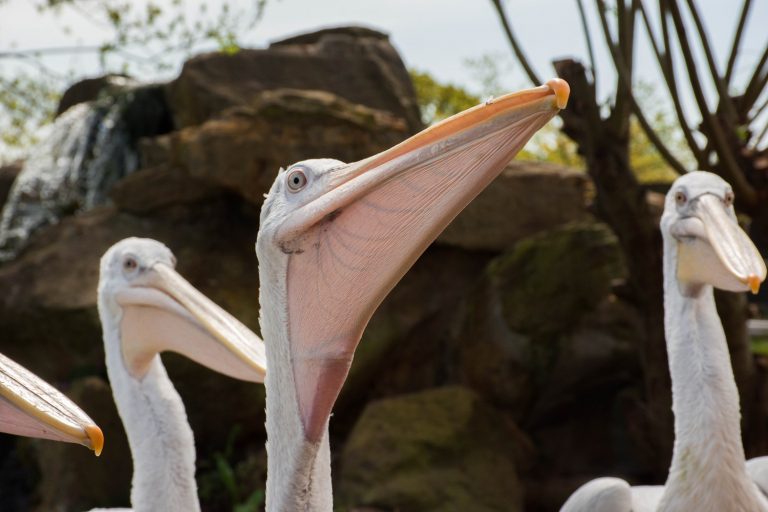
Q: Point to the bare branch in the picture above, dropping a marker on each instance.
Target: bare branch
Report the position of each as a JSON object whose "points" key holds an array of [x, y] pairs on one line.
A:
{"points": [[755, 85], [625, 87], [668, 71], [730, 166], [588, 38], [519, 53], [737, 41], [729, 110]]}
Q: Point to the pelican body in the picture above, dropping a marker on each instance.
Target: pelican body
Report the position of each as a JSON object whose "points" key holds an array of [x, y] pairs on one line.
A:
{"points": [[334, 239], [704, 248], [146, 307]]}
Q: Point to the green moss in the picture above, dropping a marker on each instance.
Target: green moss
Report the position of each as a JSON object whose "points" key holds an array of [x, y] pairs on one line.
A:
{"points": [[550, 280], [442, 449]]}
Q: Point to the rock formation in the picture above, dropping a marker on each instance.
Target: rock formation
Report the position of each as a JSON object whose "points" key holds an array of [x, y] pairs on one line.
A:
{"points": [[476, 367]]}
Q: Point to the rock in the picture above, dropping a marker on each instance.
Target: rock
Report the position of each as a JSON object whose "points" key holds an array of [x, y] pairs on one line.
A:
{"points": [[439, 450], [526, 198], [91, 89], [243, 149], [531, 313], [65, 467], [8, 175], [357, 64]]}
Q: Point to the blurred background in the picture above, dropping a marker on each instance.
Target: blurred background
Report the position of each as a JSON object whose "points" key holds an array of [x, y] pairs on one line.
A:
{"points": [[521, 356]]}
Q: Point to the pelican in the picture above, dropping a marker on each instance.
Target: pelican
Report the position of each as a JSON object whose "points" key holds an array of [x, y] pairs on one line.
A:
{"points": [[145, 308], [704, 248], [333, 240], [31, 407]]}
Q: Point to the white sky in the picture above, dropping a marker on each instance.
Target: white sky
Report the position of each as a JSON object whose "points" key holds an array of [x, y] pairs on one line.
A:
{"points": [[433, 35]]}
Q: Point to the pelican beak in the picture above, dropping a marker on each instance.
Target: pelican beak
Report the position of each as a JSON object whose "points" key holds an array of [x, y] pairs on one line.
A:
{"points": [[31, 407], [351, 245], [164, 312], [714, 250]]}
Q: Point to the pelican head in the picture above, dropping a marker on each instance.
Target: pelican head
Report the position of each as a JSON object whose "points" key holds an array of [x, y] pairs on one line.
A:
{"points": [[700, 225], [154, 309], [31, 407], [335, 238]]}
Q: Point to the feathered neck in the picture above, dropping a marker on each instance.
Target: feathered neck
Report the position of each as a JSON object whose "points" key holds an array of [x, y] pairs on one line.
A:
{"points": [[298, 472], [708, 470], [161, 440]]}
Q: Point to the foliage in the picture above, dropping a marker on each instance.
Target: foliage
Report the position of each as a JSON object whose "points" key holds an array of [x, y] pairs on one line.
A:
{"points": [[143, 39], [221, 480], [439, 100]]}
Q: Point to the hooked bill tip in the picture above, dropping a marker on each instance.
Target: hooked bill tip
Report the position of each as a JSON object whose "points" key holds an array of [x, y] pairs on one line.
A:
{"points": [[754, 283], [97, 438], [562, 91]]}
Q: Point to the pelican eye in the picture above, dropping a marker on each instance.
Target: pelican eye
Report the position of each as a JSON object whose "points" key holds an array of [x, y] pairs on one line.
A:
{"points": [[130, 264], [296, 180], [680, 198], [728, 199]]}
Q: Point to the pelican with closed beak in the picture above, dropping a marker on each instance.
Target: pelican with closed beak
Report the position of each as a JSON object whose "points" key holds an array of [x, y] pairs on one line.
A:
{"points": [[146, 308], [704, 248]]}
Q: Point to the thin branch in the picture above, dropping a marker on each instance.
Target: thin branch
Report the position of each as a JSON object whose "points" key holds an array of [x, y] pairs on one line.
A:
{"points": [[726, 102], [715, 132], [755, 85], [737, 41], [519, 53], [626, 90], [759, 110], [668, 71], [762, 135], [55, 50], [588, 38]]}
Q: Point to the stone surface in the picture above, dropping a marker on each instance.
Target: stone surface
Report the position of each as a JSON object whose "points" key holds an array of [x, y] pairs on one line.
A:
{"points": [[90, 89], [8, 175], [357, 64], [528, 197], [438, 450], [243, 149]]}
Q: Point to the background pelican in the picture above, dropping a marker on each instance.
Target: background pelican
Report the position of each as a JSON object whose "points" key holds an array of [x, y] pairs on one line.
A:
{"points": [[334, 239], [31, 407], [146, 307], [704, 247]]}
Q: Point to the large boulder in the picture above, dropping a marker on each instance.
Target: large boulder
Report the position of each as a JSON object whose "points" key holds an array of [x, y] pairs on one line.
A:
{"points": [[438, 450], [526, 198], [357, 64], [243, 148]]}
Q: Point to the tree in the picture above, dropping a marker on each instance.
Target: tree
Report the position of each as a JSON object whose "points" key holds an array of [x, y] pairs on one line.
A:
{"points": [[730, 147]]}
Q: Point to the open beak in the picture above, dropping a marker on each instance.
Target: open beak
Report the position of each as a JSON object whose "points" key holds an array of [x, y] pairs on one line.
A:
{"points": [[165, 312], [31, 407], [351, 245], [713, 249]]}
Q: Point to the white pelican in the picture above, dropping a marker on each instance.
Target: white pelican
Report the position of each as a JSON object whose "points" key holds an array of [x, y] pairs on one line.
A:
{"points": [[31, 407], [704, 247], [146, 307], [334, 239]]}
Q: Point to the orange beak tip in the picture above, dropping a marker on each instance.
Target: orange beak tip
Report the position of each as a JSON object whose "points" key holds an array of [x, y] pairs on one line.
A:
{"points": [[97, 438], [754, 283], [562, 91]]}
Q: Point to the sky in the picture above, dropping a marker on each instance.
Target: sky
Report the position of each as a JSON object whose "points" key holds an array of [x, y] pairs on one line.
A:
{"points": [[437, 36]]}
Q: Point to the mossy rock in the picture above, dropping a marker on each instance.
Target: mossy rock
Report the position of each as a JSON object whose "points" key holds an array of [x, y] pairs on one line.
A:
{"points": [[550, 280], [443, 449]]}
